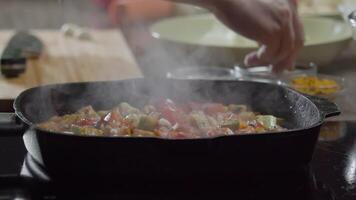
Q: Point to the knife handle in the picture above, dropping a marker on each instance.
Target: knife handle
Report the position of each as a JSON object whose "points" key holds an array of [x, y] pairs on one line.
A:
{"points": [[20, 47]]}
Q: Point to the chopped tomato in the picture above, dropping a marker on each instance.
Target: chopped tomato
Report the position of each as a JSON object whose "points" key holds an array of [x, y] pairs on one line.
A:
{"points": [[167, 119], [170, 111], [213, 108], [86, 122], [169, 114], [259, 125]]}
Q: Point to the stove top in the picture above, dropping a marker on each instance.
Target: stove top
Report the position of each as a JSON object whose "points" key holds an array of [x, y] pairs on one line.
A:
{"points": [[331, 175]]}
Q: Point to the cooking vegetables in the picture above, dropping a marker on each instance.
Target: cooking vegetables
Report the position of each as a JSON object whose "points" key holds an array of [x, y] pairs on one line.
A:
{"points": [[269, 122], [231, 124], [147, 123], [165, 119]]}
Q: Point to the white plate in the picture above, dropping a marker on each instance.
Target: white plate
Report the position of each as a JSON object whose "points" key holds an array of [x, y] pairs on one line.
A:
{"points": [[325, 38]]}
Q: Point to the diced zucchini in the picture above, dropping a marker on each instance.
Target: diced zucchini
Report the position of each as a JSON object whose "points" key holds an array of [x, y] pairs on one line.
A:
{"points": [[118, 131], [165, 123], [200, 120], [147, 109], [75, 129], [155, 115], [267, 121], [126, 109], [237, 108], [89, 113], [147, 123], [212, 121], [231, 124], [133, 119]]}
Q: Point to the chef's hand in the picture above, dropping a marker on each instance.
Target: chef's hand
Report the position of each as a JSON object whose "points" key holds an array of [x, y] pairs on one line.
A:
{"points": [[274, 24]]}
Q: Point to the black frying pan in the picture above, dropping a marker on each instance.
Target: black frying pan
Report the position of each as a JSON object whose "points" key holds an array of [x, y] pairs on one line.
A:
{"points": [[72, 156]]}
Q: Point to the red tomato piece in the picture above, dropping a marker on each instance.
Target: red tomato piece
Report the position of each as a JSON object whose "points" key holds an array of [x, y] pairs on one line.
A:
{"points": [[170, 111], [169, 114], [86, 122]]}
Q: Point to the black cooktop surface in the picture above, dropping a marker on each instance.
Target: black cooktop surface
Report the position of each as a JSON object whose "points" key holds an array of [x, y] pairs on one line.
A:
{"points": [[331, 175]]}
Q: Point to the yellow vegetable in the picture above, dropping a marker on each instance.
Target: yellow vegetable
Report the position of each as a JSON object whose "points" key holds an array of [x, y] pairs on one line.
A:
{"points": [[313, 85]]}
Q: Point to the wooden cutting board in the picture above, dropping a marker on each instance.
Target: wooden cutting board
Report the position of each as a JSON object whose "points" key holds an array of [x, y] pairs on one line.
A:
{"points": [[105, 57]]}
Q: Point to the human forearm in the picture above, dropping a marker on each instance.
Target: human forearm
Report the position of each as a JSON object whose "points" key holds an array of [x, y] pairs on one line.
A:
{"points": [[202, 3]]}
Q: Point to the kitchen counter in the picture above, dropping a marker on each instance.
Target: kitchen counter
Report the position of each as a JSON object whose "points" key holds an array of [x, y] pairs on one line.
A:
{"points": [[105, 57]]}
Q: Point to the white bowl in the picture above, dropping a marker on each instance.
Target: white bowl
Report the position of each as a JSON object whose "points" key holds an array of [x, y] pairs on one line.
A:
{"points": [[203, 33]]}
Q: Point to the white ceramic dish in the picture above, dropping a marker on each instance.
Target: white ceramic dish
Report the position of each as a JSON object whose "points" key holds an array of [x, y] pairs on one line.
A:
{"points": [[326, 8], [325, 38]]}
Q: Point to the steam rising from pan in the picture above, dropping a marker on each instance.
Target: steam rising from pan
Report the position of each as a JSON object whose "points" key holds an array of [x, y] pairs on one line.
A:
{"points": [[156, 59], [263, 98]]}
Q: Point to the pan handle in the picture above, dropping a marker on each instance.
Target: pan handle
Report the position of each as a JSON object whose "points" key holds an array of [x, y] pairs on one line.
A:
{"points": [[11, 125], [326, 107]]}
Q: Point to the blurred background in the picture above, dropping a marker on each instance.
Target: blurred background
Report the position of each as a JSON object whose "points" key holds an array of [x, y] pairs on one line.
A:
{"points": [[61, 41], [93, 40]]}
